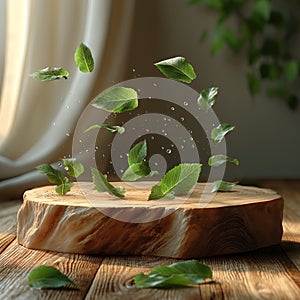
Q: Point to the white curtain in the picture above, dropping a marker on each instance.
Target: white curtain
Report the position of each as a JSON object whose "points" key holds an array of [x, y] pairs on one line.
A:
{"points": [[37, 119]]}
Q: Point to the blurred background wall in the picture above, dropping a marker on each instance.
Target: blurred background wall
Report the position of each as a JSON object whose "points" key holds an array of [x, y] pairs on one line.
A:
{"points": [[266, 139]]}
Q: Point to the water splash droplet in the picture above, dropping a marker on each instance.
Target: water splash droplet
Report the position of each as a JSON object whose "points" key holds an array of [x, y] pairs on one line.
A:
{"points": [[53, 123], [172, 108], [168, 151], [185, 103], [121, 156], [133, 70], [182, 119], [67, 134], [152, 137], [154, 84]]}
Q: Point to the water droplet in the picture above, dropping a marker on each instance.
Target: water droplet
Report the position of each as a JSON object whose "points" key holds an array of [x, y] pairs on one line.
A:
{"points": [[183, 141], [147, 130], [121, 156], [152, 137], [67, 107], [182, 147], [154, 84], [172, 145], [66, 168], [162, 147], [182, 119], [172, 108], [53, 123], [86, 150], [165, 134], [149, 97], [103, 155], [133, 70], [193, 146], [60, 164], [122, 171], [80, 141], [191, 138], [97, 147], [67, 134], [168, 151], [163, 131], [138, 90], [165, 119], [110, 162], [79, 101], [156, 164], [185, 103]]}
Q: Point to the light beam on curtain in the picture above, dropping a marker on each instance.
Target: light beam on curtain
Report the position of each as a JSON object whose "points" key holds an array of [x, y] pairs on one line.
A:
{"points": [[37, 119]]}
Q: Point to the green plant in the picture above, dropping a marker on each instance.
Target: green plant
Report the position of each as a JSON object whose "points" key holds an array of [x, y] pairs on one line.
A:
{"points": [[265, 30]]}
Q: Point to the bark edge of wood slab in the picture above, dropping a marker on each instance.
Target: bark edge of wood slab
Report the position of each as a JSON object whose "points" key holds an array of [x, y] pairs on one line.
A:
{"points": [[245, 219]]}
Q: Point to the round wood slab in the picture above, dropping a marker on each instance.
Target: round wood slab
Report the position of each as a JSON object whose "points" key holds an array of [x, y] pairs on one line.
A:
{"points": [[87, 222]]}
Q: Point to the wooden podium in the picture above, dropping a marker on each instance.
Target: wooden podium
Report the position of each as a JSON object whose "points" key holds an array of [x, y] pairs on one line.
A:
{"points": [[87, 222]]}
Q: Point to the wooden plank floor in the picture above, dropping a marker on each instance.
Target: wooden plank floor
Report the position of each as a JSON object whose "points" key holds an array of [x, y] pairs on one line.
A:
{"points": [[271, 273]]}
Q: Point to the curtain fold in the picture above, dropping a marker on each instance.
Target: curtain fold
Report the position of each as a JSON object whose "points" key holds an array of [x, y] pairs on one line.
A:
{"points": [[37, 119]]}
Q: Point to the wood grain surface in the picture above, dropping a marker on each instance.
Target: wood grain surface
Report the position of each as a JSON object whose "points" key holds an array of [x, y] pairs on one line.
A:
{"points": [[245, 219], [270, 273]]}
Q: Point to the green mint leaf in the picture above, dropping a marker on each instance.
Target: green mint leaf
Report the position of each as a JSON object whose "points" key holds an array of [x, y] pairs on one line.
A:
{"points": [[218, 133], [223, 186], [138, 153], [73, 167], [50, 74], [64, 188], [47, 277], [175, 275], [219, 159], [54, 176], [177, 68], [138, 167], [137, 171], [102, 185], [207, 98], [117, 100], [178, 181], [83, 58], [111, 128]]}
